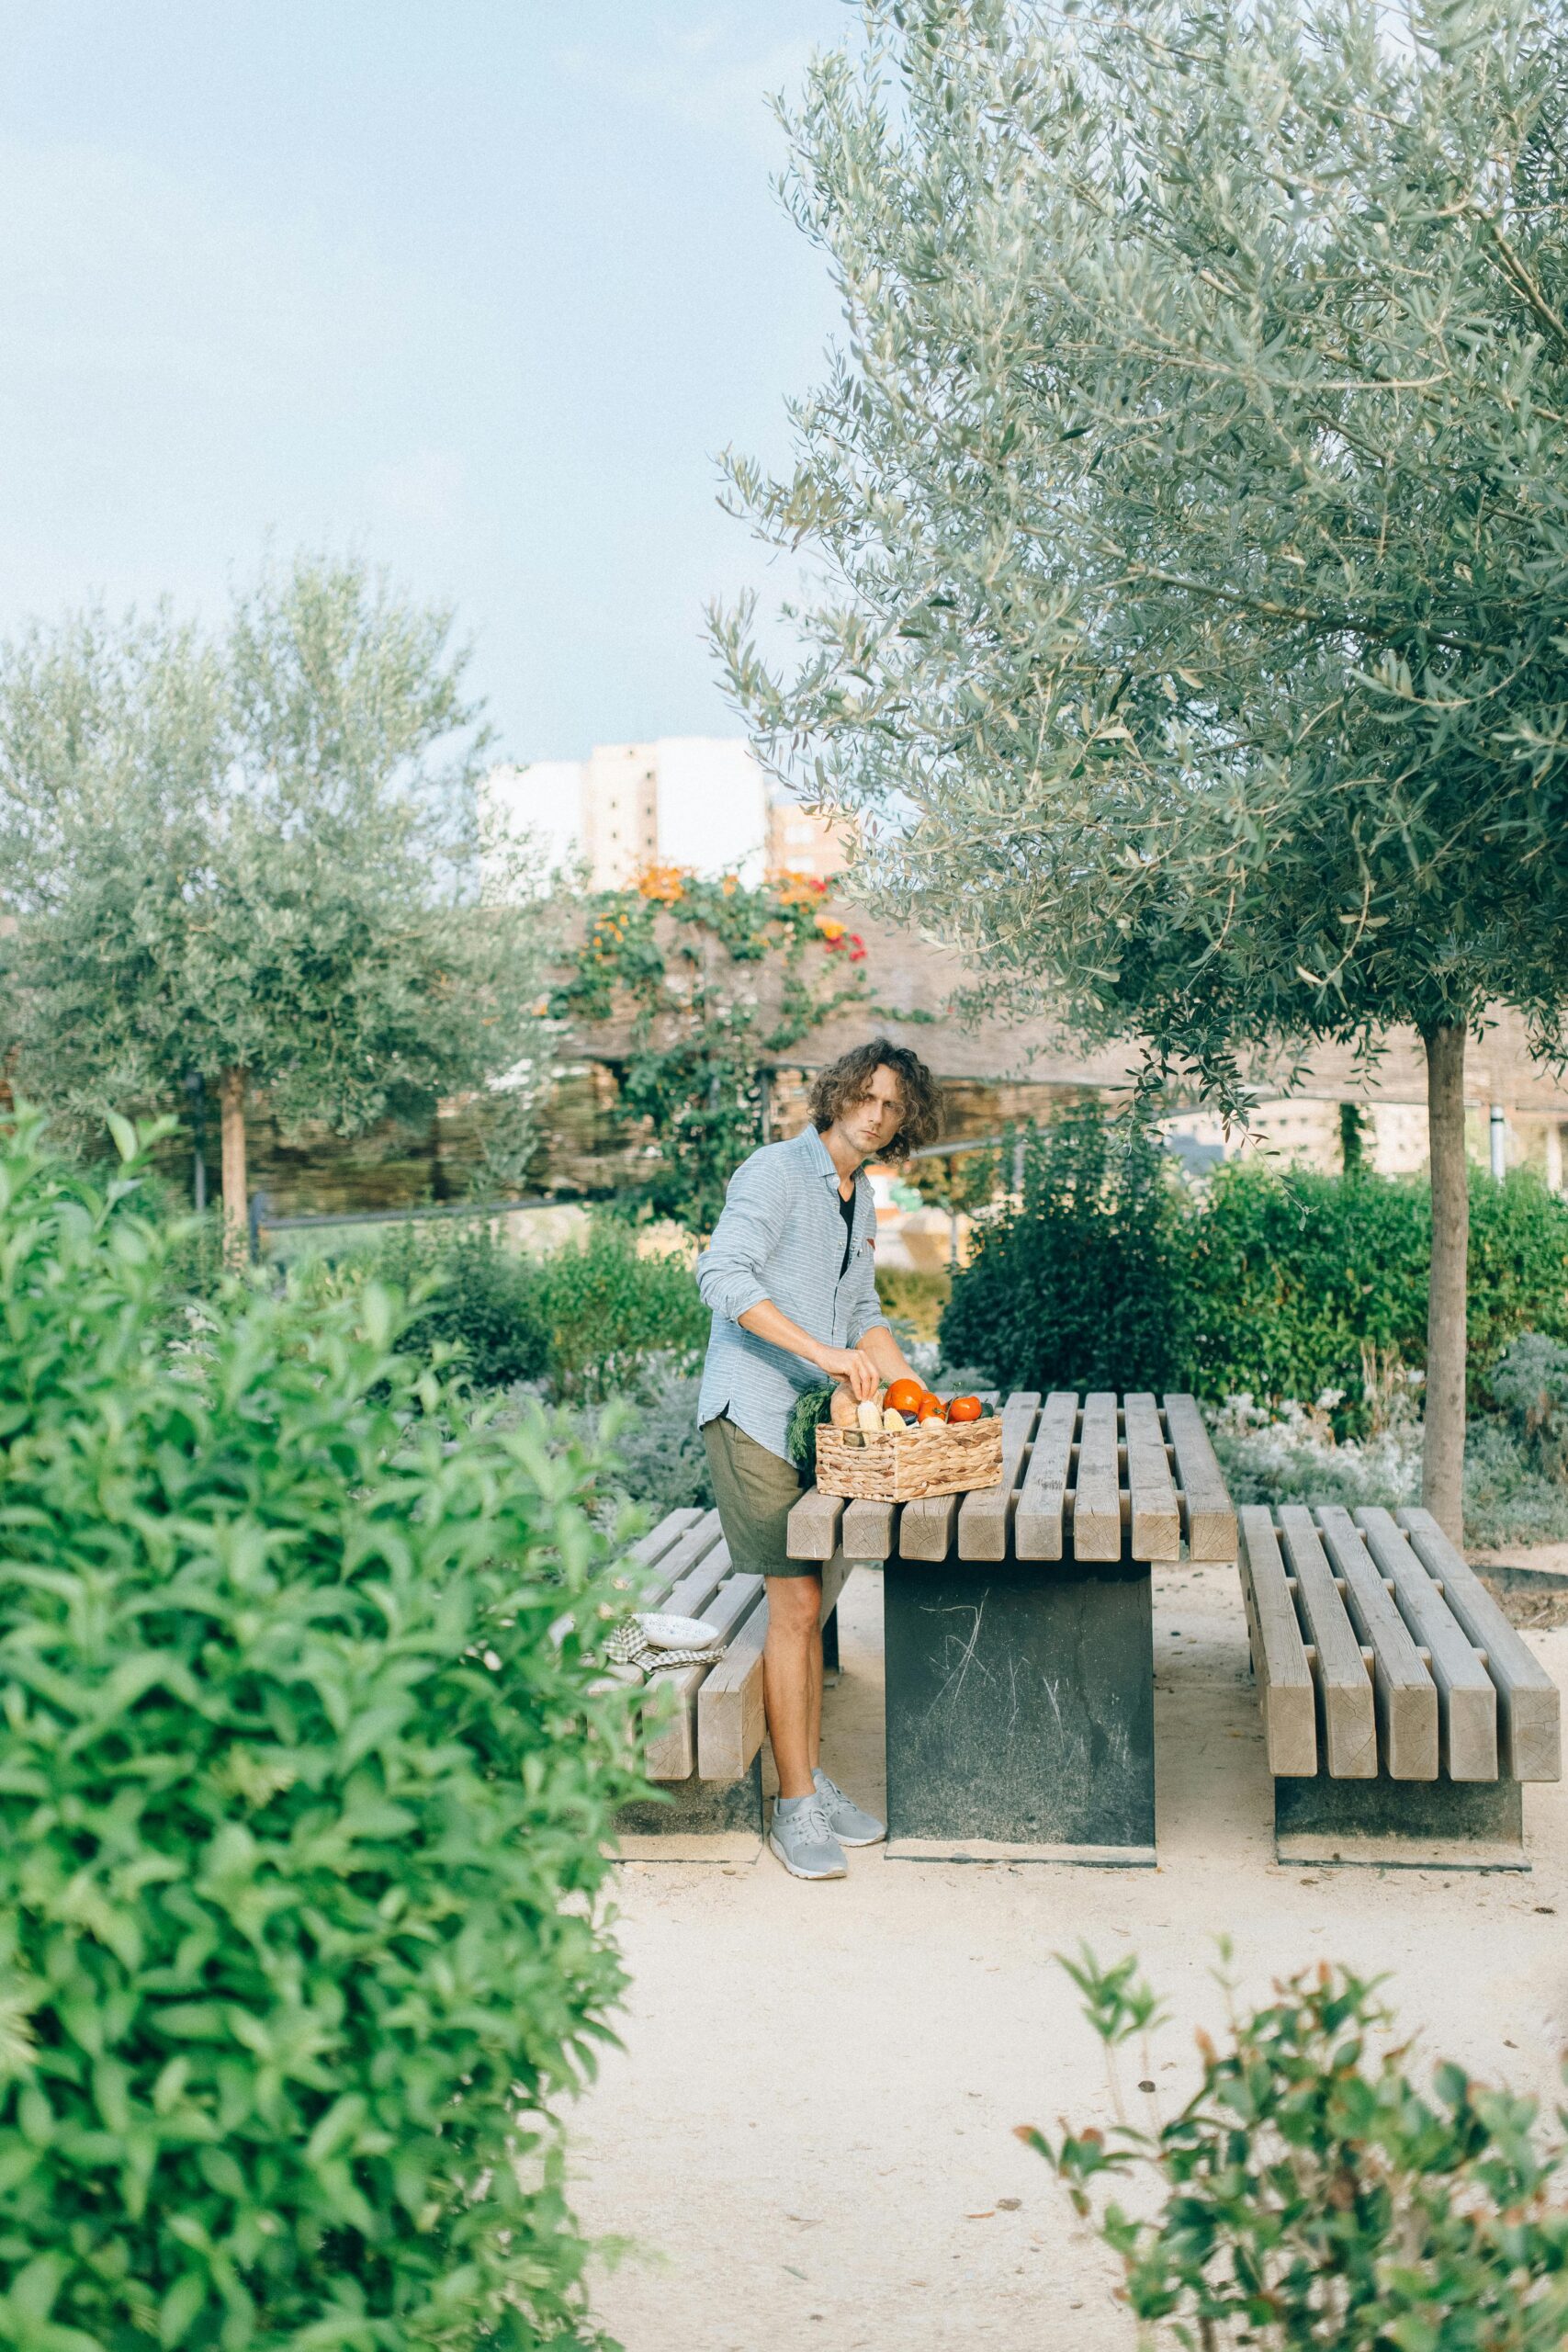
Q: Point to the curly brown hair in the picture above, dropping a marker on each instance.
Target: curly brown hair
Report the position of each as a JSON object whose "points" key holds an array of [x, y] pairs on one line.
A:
{"points": [[848, 1080]]}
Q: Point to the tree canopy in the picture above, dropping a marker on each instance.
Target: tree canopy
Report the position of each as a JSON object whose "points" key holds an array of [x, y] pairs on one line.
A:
{"points": [[1192, 493], [250, 854]]}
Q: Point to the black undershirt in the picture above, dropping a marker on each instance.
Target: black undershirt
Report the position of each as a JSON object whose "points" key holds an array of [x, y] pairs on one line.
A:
{"points": [[847, 1211]]}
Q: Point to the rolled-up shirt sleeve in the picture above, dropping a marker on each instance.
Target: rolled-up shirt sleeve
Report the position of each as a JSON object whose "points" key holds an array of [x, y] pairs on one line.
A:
{"points": [[729, 1271]]}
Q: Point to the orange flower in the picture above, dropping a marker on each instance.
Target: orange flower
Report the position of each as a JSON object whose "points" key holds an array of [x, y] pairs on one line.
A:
{"points": [[665, 883], [831, 931]]}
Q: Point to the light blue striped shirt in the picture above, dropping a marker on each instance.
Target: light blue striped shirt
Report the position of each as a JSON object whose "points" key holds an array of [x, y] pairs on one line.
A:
{"points": [[782, 1237]]}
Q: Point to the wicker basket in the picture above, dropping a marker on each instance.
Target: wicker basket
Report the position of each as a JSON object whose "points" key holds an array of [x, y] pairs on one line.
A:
{"points": [[938, 1458]]}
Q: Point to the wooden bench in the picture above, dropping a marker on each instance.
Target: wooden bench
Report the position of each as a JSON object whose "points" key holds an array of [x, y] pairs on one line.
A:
{"points": [[702, 1725], [1402, 1711], [1019, 1627]]}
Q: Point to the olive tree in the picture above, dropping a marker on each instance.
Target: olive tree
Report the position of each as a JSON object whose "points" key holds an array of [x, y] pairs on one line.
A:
{"points": [[1191, 498], [248, 855]]}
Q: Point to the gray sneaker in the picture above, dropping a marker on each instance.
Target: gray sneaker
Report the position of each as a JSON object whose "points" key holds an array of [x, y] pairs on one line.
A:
{"points": [[803, 1841], [849, 1823]]}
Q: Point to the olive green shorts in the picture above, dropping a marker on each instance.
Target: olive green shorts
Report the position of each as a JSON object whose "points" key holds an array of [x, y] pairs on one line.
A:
{"points": [[756, 1491]]}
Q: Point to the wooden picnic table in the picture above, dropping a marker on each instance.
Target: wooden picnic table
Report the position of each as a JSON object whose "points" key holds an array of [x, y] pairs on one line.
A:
{"points": [[1019, 1627]]}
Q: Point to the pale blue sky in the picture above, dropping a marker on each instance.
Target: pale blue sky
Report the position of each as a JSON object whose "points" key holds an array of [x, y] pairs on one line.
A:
{"points": [[480, 287]]}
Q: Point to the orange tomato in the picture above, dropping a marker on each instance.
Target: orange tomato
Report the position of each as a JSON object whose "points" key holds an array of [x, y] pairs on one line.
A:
{"points": [[904, 1396], [965, 1408], [931, 1409]]}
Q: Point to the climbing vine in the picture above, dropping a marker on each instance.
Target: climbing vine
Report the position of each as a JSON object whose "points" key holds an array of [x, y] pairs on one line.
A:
{"points": [[718, 982]]}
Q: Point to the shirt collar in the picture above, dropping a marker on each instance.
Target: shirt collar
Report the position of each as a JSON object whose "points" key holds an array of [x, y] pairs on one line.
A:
{"points": [[818, 1153]]}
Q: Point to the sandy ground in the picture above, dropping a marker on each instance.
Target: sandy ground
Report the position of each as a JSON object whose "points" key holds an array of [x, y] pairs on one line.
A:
{"points": [[808, 2135]]}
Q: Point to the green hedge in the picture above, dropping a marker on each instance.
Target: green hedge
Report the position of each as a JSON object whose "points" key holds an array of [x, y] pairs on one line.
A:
{"points": [[304, 1779], [582, 1319], [1112, 1273]]}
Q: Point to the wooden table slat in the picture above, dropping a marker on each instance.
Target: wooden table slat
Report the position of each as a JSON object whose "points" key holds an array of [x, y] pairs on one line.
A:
{"points": [[866, 1530], [1530, 1707], [1208, 1510], [1345, 1690], [985, 1517], [1404, 1693], [1096, 1506], [1284, 1671], [1156, 1517], [926, 1529], [814, 1525], [1467, 1696], [1039, 1522]]}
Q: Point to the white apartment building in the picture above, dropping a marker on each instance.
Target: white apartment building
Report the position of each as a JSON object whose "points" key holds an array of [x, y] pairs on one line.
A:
{"points": [[691, 801]]}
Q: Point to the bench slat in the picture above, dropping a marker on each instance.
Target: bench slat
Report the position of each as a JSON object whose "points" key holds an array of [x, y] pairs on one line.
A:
{"points": [[814, 1525], [1530, 1707], [985, 1517], [1467, 1696], [1097, 1504], [683, 1556], [660, 1539], [1284, 1673], [1042, 1503], [672, 1750], [1208, 1511], [730, 1718], [1404, 1695], [690, 1598], [1156, 1516], [1345, 1690]]}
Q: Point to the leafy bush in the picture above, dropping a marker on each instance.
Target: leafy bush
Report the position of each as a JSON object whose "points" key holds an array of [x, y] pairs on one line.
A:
{"points": [[486, 1301], [1530, 1385], [1294, 1275], [656, 1458], [304, 1777], [1312, 2195], [1272, 1284], [606, 1309], [1081, 1283]]}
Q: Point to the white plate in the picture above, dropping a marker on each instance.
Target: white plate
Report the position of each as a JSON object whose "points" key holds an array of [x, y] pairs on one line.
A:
{"points": [[678, 1632]]}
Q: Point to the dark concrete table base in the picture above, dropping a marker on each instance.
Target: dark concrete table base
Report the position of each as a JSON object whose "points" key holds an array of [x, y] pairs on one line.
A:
{"points": [[1394, 1825], [705, 1821], [1019, 1710]]}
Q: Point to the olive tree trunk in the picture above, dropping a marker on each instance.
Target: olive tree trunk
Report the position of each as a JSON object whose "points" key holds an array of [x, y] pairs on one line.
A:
{"points": [[236, 1201], [1442, 1457]]}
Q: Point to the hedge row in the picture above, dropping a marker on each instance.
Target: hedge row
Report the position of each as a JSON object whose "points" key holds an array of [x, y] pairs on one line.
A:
{"points": [[1110, 1273]]}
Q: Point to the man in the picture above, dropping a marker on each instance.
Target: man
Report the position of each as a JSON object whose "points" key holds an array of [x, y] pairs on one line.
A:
{"points": [[791, 1279]]}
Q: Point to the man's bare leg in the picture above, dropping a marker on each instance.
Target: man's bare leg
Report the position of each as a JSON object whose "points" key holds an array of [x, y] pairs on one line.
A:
{"points": [[792, 1680]]}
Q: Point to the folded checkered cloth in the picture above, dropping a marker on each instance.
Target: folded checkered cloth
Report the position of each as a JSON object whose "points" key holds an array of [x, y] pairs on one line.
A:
{"points": [[629, 1645]]}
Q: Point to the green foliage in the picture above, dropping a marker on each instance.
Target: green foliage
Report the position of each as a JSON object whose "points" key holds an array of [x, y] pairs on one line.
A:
{"points": [[915, 1301], [476, 1297], [1296, 1276], [303, 1783], [1311, 2194], [810, 1407], [657, 1459], [1275, 1285], [1187, 492], [1080, 1284], [1530, 1385], [718, 981], [254, 852], [606, 1309]]}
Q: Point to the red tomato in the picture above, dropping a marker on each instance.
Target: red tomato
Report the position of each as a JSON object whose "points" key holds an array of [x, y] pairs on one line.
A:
{"points": [[904, 1395], [965, 1408], [931, 1409]]}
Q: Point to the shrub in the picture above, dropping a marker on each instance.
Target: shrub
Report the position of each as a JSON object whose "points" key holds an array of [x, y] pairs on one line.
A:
{"points": [[303, 1780], [605, 1309], [485, 1304], [1312, 2195], [1295, 1275], [656, 1458], [1081, 1283]]}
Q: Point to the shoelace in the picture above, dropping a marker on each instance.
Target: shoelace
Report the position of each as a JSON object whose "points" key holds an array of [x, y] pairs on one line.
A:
{"points": [[813, 1820], [830, 1791]]}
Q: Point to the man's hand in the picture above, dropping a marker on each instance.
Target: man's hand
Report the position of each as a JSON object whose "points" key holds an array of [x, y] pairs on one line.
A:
{"points": [[853, 1367]]}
